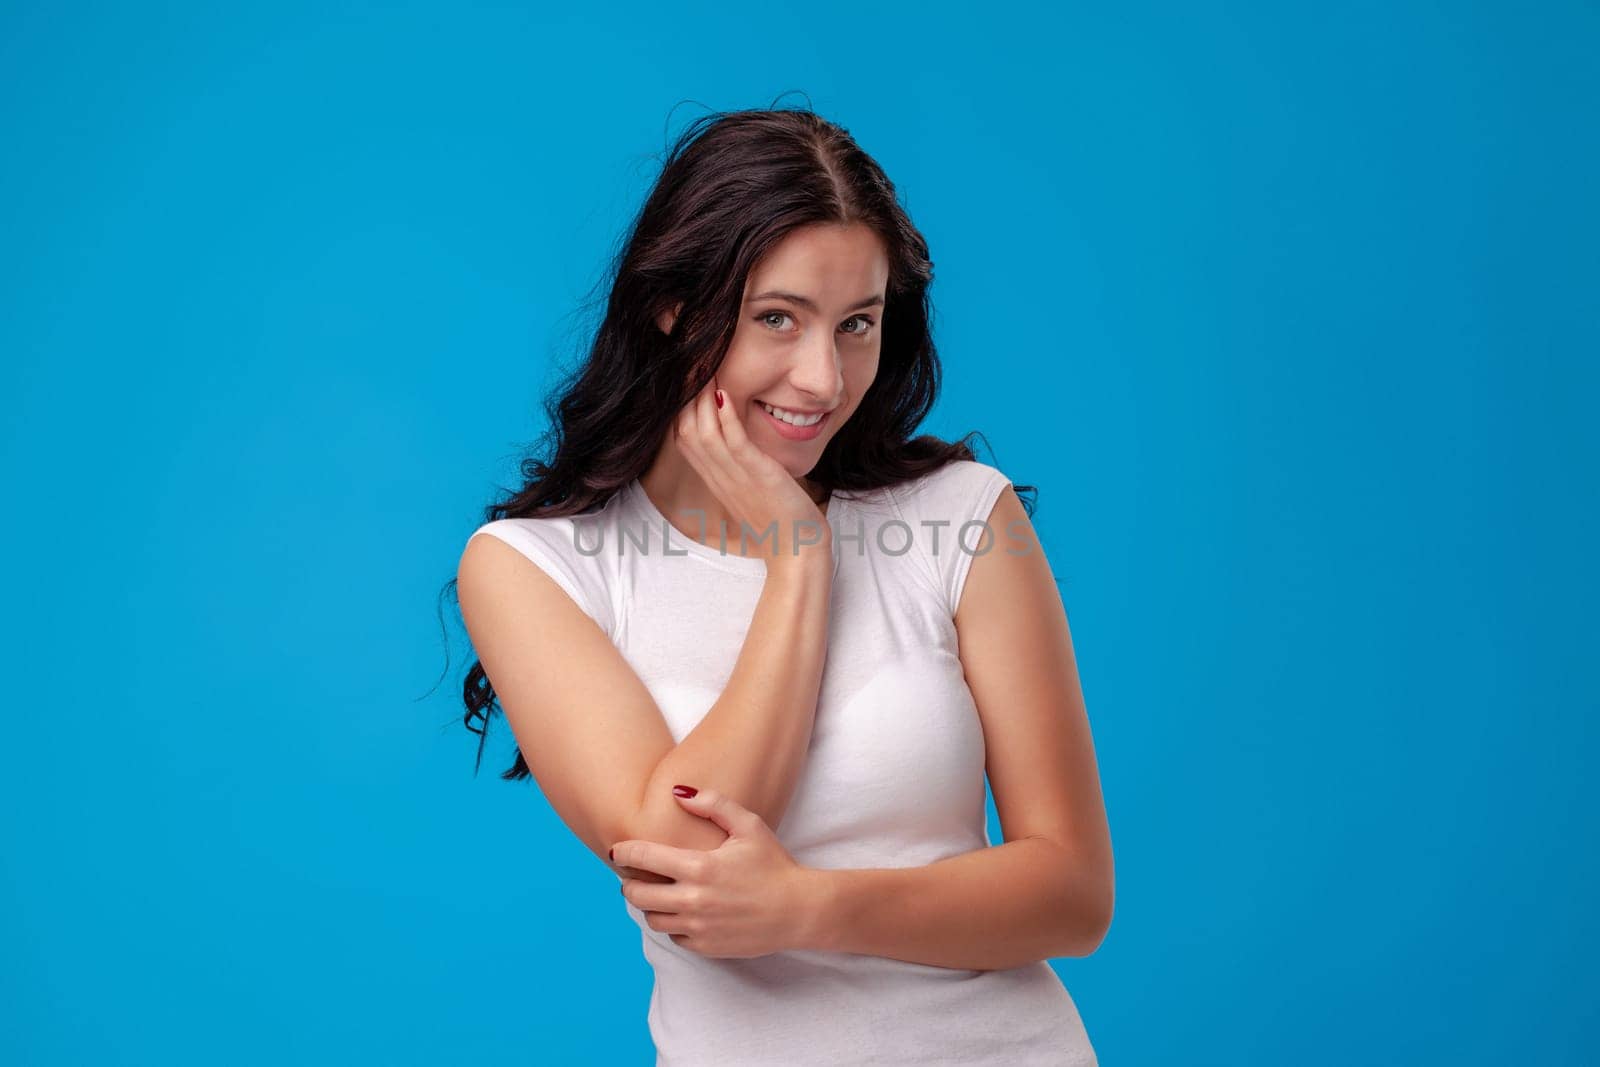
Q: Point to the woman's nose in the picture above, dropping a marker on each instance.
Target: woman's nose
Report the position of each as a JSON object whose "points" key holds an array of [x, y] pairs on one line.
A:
{"points": [[818, 375]]}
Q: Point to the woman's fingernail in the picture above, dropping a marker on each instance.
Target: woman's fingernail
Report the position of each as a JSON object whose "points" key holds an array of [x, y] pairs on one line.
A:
{"points": [[719, 398], [612, 853], [685, 790]]}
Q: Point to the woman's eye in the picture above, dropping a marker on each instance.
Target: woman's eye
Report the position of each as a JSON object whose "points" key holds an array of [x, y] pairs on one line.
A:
{"points": [[769, 316], [865, 320]]}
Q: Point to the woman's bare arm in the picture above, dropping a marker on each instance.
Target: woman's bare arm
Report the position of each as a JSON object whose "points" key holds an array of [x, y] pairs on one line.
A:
{"points": [[992, 908], [752, 743], [592, 735]]}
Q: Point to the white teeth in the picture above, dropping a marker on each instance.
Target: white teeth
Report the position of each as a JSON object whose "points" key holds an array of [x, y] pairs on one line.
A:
{"points": [[790, 417]]}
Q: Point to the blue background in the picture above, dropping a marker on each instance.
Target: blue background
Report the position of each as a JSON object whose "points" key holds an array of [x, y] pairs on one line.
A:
{"points": [[1291, 314]]}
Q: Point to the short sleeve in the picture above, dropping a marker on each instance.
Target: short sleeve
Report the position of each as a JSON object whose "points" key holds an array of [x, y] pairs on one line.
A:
{"points": [[948, 510], [556, 546]]}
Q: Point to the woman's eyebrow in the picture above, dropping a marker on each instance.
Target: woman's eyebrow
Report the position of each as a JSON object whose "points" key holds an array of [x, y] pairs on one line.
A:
{"points": [[809, 304]]}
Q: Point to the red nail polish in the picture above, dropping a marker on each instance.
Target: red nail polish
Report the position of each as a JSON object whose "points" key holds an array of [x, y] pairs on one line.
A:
{"points": [[685, 790], [719, 398], [612, 853]]}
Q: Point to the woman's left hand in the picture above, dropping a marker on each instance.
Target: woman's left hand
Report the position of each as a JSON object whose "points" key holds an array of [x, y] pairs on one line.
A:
{"points": [[747, 897]]}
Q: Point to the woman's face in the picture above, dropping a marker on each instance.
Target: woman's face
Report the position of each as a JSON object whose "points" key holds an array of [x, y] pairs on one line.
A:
{"points": [[807, 342]]}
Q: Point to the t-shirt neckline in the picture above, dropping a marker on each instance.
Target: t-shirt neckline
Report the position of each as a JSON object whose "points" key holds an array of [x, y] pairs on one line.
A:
{"points": [[729, 560]]}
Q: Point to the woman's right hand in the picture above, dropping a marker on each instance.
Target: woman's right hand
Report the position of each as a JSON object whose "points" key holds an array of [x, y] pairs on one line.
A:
{"points": [[755, 489]]}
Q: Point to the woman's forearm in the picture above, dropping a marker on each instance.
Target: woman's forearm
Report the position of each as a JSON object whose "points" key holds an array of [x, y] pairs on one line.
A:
{"points": [[996, 907], [752, 742]]}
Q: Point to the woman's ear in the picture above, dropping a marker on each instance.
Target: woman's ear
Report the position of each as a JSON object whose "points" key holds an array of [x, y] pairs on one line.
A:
{"points": [[667, 319]]}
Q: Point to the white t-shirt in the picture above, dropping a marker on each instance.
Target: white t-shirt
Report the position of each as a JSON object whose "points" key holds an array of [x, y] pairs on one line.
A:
{"points": [[894, 776]]}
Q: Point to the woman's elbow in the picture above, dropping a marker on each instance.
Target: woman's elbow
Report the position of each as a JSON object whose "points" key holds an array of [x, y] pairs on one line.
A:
{"points": [[1091, 919]]}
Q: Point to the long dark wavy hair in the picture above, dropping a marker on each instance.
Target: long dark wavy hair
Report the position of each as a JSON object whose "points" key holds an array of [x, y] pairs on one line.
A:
{"points": [[732, 185]]}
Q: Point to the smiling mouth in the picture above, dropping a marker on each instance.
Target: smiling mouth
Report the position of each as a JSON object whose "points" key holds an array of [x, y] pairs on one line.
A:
{"points": [[793, 418]]}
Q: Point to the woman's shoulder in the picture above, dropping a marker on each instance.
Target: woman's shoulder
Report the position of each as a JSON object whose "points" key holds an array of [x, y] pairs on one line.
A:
{"points": [[947, 510], [567, 548], [953, 491], [952, 482], [570, 537]]}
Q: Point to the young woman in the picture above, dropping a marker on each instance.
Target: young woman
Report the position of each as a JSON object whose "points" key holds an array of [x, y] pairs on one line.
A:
{"points": [[759, 644]]}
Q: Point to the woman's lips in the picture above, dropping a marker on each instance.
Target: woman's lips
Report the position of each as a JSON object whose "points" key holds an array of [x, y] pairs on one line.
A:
{"points": [[791, 432]]}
